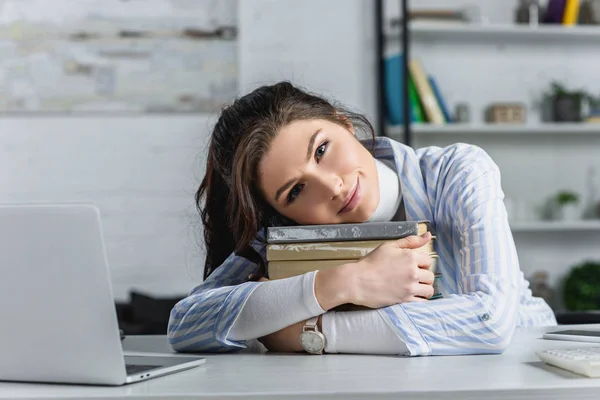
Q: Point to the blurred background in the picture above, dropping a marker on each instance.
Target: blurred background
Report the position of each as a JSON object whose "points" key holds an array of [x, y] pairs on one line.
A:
{"points": [[112, 102]]}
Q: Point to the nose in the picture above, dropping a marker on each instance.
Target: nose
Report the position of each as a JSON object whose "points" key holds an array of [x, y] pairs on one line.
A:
{"points": [[333, 185]]}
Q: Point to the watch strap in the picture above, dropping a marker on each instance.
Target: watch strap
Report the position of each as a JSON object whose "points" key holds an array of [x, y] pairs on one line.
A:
{"points": [[311, 324]]}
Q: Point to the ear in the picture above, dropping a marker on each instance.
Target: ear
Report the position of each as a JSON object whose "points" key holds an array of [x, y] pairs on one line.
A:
{"points": [[347, 123], [350, 127]]}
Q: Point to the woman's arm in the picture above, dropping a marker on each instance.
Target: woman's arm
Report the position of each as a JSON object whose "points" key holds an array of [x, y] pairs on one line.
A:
{"points": [[205, 319], [356, 332], [393, 273], [482, 316], [200, 322], [275, 305], [359, 332]]}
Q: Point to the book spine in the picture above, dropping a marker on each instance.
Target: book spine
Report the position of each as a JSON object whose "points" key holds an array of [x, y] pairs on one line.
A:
{"points": [[571, 12], [342, 232], [329, 250], [288, 268], [415, 102], [430, 104], [393, 89], [554, 12], [438, 95]]}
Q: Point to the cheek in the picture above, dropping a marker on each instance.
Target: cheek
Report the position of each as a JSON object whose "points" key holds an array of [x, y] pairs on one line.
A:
{"points": [[346, 158], [311, 209]]}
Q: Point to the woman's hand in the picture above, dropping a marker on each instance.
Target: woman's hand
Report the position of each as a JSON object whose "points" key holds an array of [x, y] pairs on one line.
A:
{"points": [[395, 272]]}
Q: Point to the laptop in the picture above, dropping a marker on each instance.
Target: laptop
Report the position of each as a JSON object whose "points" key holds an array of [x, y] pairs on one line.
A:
{"points": [[58, 321]]}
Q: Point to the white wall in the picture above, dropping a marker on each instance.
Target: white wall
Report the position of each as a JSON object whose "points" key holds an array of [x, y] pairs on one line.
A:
{"points": [[142, 172], [325, 46]]}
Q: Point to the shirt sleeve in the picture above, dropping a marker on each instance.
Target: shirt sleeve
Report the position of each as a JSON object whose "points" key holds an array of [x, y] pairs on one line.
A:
{"points": [[361, 332], [201, 321], [275, 305], [482, 316]]}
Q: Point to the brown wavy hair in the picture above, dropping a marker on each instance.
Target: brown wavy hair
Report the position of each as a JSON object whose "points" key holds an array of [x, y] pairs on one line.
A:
{"points": [[230, 203]]}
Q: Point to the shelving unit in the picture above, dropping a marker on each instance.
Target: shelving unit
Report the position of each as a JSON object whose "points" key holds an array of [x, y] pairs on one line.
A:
{"points": [[555, 226], [499, 33], [526, 130], [482, 64]]}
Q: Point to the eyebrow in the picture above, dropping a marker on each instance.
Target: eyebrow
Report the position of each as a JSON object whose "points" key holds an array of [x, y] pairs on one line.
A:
{"points": [[309, 152]]}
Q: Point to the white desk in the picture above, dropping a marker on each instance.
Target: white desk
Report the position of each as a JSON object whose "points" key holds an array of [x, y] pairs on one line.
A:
{"points": [[516, 374]]}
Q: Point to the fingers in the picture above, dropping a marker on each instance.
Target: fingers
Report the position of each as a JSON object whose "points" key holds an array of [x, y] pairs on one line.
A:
{"points": [[419, 299], [426, 276], [413, 242], [424, 290], [423, 260]]}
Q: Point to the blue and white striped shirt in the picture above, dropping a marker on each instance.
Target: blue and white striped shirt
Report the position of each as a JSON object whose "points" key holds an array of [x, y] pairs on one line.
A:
{"points": [[458, 189]]}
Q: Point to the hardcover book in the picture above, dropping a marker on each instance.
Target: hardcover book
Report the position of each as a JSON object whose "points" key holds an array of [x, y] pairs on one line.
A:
{"points": [[329, 250], [288, 268], [346, 232]]}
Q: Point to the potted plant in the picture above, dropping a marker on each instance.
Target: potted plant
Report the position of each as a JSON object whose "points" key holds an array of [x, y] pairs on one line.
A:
{"points": [[594, 106], [566, 105], [567, 205], [581, 290]]}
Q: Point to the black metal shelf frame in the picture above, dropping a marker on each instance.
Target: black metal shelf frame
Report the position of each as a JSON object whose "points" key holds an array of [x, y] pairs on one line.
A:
{"points": [[380, 54]]}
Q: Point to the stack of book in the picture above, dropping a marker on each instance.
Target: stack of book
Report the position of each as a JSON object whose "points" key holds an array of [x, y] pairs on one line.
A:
{"points": [[427, 103], [295, 250]]}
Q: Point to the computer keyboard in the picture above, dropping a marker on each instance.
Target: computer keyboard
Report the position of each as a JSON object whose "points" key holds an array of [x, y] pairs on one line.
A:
{"points": [[134, 368], [584, 361]]}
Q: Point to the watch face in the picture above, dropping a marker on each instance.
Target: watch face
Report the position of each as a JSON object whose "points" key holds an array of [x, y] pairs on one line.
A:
{"points": [[312, 342]]}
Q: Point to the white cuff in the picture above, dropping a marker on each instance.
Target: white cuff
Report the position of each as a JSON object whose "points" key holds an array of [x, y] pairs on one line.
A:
{"points": [[363, 332]]}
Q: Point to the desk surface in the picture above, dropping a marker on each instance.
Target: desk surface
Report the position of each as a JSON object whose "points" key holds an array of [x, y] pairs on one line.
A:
{"points": [[516, 374]]}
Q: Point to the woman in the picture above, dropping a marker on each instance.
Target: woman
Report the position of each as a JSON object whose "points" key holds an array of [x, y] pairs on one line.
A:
{"points": [[281, 156]]}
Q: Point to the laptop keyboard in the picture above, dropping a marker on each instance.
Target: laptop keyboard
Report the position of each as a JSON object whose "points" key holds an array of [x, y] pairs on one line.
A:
{"points": [[136, 369]]}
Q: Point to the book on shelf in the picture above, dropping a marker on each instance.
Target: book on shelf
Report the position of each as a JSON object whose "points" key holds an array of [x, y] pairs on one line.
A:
{"points": [[428, 99], [415, 103], [440, 99], [571, 12], [426, 102], [554, 12], [394, 87], [296, 250]]}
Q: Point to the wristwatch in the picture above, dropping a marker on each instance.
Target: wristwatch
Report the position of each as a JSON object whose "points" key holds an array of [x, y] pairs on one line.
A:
{"points": [[312, 341]]}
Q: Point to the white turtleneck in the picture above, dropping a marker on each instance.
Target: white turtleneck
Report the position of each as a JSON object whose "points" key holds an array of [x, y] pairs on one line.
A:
{"points": [[345, 332], [390, 195]]}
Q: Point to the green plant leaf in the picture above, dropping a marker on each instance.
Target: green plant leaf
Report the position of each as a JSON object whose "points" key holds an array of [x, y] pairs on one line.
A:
{"points": [[581, 291]]}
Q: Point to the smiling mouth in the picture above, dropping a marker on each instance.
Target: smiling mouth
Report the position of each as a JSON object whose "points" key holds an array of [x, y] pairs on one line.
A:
{"points": [[352, 200]]}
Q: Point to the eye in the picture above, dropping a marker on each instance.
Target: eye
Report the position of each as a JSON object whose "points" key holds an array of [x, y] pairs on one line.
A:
{"points": [[321, 150], [294, 192]]}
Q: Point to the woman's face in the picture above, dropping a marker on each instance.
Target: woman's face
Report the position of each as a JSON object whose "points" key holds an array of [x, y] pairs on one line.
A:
{"points": [[317, 172]]}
